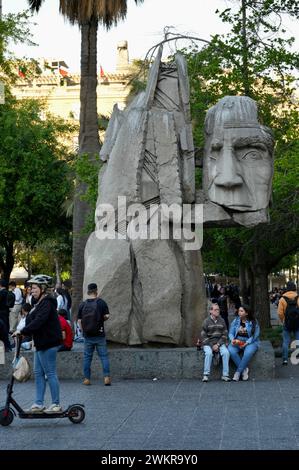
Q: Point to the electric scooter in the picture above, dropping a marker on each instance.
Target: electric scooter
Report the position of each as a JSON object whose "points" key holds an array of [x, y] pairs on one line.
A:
{"points": [[75, 413]]}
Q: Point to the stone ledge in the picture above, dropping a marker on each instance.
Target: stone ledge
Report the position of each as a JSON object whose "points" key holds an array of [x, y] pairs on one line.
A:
{"points": [[130, 363]]}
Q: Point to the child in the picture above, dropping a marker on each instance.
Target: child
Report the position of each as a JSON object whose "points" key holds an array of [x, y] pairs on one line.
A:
{"points": [[66, 329], [26, 340]]}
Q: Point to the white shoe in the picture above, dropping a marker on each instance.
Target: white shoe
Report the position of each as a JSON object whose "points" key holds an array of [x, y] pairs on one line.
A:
{"points": [[205, 378], [236, 377], [54, 408], [36, 409], [245, 374], [225, 378]]}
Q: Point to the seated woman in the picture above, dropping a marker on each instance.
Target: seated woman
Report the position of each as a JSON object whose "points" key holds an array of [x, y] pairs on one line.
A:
{"points": [[244, 337]]}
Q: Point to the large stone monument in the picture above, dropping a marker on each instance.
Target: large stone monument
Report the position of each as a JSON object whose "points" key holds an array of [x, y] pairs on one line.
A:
{"points": [[155, 288], [238, 164]]}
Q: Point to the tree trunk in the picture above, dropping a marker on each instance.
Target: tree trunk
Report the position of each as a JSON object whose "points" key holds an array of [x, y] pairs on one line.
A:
{"points": [[244, 42], [243, 280], [9, 261], [261, 305], [29, 264], [57, 271], [259, 287], [88, 144]]}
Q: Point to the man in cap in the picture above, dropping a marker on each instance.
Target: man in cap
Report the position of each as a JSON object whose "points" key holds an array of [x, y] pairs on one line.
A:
{"points": [[91, 316]]}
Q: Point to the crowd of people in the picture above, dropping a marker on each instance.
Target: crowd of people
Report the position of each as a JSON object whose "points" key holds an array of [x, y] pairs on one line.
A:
{"points": [[41, 315], [16, 305]]}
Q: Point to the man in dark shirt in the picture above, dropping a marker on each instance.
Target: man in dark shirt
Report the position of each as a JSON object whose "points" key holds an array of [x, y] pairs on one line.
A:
{"points": [[91, 316]]}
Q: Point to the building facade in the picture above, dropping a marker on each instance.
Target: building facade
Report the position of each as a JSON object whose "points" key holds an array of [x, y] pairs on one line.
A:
{"points": [[61, 90]]}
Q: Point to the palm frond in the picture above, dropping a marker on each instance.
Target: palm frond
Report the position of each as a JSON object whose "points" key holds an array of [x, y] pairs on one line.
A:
{"points": [[107, 12], [35, 5]]}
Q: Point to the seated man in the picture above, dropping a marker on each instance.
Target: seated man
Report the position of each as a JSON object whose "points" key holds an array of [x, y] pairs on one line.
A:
{"points": [[214, 339]]}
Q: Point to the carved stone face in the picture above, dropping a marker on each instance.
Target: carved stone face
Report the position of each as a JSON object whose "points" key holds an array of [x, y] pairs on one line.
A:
{"points": [[238, 163]]}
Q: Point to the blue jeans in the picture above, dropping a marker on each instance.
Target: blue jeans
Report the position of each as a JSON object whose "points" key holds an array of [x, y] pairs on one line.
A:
{"points": [[242, 363], [45, 364], [286, 339], [209, 356], [90, 344]]}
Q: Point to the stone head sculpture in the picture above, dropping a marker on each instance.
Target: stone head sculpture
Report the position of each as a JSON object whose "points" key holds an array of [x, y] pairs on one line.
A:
{"points": [[238, 156]]}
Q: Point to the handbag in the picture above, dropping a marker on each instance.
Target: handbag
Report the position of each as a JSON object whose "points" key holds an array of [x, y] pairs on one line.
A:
{"points": [[22, 369]]}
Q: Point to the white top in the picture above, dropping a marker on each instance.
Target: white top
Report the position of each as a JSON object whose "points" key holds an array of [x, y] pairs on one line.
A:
{"points": [[61, 302], [18, 295], [21, 324]]}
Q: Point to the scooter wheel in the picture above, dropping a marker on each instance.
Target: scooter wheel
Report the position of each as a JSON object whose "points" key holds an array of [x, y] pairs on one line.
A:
{"points": [[76, 414], [6, 416]]}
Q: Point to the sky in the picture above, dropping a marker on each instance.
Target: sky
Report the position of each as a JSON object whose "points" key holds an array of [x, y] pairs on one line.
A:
{"points": [[142, 28]]}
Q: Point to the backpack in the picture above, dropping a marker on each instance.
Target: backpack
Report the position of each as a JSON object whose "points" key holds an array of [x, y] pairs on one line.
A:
{"points": [[10, 300], [92, 323], [291, 314]]}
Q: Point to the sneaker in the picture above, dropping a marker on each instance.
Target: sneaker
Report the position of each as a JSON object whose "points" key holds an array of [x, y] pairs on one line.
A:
{"points": [[35, 409], [86, 382], [54, 408], [285, 362], [205, 378], [245, 374], [236, 377], [225, 378], [107, 380]]}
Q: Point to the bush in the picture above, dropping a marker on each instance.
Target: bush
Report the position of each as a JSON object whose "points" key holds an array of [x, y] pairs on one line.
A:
{"points": [[274, 335]]}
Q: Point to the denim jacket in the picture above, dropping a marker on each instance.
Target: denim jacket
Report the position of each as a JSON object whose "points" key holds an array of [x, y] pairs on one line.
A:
{"points": [[235, 325]]}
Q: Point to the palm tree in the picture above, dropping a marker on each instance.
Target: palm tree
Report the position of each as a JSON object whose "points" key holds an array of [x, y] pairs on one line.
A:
{"points": [[87, 14]]}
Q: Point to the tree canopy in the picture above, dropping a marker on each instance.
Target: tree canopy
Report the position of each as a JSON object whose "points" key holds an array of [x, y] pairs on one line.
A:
{"points": [[34, 179], [255, 59]]}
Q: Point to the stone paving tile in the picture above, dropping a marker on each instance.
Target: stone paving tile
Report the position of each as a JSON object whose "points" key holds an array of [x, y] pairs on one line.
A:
{"points": [[243, 444], [279, 444], [166, 414]]}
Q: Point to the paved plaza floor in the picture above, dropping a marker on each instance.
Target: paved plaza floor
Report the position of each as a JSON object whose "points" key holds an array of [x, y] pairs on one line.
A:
{"points": [[166, 414]]}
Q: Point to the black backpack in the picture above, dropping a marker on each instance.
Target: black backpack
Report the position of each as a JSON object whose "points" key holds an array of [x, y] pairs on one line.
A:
{"points": [[10, 300], [92, 322], [291, 314]]}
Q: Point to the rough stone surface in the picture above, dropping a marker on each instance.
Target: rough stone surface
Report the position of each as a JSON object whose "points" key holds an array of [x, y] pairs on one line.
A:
{"points": [[150, 160], [107, 263], [238, 157], [154, 289], [157, 264]]}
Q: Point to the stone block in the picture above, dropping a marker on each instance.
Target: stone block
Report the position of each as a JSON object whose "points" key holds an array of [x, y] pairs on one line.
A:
{"points": [[130, 363]]}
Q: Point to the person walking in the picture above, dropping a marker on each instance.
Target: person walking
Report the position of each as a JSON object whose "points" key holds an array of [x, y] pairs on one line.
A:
{"points": [[93, 312], [4, 315], [44, 326], [288, 312], [244, 335], [15, 311]]}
